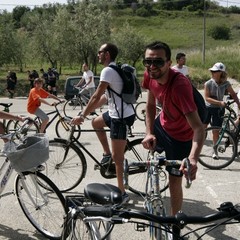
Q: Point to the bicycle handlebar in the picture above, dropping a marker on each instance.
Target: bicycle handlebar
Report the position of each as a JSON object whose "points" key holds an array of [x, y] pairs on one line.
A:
{"points": [[157, 162], [226, 210]]}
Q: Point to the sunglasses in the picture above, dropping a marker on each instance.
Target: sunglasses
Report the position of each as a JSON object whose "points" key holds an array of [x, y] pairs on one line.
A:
{"points": [[99, 52], [157, 62]]}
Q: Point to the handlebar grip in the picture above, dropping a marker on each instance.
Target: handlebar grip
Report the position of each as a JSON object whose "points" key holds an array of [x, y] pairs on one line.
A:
{"points": [[95, 211]]}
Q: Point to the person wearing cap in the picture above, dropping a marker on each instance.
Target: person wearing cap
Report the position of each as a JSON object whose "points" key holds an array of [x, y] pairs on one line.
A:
{"points": [[37, 96], [214, 91]]}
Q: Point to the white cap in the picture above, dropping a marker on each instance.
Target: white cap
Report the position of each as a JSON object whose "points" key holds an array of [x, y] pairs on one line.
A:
{"points": [[218, 67]]}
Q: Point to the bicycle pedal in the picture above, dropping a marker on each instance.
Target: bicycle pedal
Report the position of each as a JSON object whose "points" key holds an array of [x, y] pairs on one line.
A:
{"points": [[96, 167], [140, 227]]}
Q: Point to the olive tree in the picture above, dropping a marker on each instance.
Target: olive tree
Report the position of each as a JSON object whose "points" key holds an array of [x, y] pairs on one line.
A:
{"points": [[130, 42]]}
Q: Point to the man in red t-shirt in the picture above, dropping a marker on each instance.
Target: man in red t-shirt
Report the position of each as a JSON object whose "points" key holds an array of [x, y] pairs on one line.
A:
{"points": [[36, 97], [178, 129]]}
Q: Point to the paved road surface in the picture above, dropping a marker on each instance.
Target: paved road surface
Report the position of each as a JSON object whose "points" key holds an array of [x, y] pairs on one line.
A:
{"points": [[209, 190]]}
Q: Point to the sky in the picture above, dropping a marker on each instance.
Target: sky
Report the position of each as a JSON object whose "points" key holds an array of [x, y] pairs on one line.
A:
{"points": [[10, 4]]}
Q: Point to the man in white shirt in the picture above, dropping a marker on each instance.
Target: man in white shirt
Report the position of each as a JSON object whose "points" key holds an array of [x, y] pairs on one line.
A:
{"points": [[88, 78], [180, 66]]}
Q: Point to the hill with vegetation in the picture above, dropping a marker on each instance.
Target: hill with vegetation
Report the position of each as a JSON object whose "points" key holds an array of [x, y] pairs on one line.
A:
{"points": [[65, 36]]}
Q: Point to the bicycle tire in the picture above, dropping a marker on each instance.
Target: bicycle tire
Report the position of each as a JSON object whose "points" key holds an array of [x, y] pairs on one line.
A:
{"points": [[135, 152], [72, 107], [140, 110], [10, 126], [65, 173], [31, 129], [33, 198], [226, 153], [63, 130]]}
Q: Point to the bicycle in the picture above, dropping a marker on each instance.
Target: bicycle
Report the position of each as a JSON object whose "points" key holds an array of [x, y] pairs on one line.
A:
{"points": [[76, 104], [40, 200], [67, 164], [226, 146], [62, 128], [83, 218], [7, 124], [140, 110]]}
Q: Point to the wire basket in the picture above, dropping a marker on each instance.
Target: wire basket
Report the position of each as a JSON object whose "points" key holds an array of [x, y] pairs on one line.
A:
{"points": [[31, 153]]}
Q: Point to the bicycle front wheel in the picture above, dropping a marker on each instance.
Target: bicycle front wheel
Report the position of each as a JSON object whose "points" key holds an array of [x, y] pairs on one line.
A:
{"points": [[63, 130], [138, 176], [222, 153], [66, 165], [42, 203], [72, 107]]}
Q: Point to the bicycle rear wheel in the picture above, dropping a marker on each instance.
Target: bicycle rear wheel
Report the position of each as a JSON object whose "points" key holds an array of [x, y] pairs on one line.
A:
{"points": [[140, 110], [72, 107], [43, 206], [225, 148], [137, 180], [66, 165]]}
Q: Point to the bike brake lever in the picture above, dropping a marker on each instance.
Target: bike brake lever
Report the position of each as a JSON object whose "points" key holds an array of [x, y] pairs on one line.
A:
{"points": [[188, 178]]}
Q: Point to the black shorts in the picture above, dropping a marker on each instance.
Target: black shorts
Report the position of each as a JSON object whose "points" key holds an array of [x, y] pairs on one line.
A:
{"points": [[174, 149], [214, 116], [118, 127], [52, 83]]}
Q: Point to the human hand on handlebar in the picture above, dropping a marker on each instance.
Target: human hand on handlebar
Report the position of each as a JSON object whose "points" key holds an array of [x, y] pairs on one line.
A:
{"points": [[149, 142]]}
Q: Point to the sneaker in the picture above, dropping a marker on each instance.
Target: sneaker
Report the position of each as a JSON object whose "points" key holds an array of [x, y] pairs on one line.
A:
{"points": [[125, 198], [106, 159], [215, 156]]}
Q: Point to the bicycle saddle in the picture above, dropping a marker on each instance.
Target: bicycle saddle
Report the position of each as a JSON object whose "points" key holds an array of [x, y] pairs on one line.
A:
{"points": [[103, 193], [6, 104]]}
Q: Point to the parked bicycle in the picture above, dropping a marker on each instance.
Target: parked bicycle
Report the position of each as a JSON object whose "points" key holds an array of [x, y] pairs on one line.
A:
{"points": [[85, 221], [76, 104], [67, 164], [226, 147], [39, 198], [62, 128], [7, 124]]}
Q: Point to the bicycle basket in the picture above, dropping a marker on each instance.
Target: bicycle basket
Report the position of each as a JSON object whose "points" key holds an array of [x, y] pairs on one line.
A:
{"points": [[31, 153]]}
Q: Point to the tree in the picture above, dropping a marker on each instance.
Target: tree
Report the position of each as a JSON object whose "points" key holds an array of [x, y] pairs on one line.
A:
{"points": [[130, 42]]}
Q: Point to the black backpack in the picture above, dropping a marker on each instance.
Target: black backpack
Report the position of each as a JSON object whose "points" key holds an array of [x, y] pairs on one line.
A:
{"points": [[131, 86], [198, 99]]}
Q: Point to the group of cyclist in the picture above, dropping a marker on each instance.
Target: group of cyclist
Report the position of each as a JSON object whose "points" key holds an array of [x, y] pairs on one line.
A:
{"points": [[177, 131]]}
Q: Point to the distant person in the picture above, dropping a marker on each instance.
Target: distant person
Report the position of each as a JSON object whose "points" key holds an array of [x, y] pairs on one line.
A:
{"points": [[52, 88], [88, 78], [11, 83], [44, 76], [180, 66], [37, 96], [214, 91], [30, 79]]}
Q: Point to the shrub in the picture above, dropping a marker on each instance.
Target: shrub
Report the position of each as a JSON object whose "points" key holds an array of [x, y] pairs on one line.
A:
{"points": [[220, 32]]}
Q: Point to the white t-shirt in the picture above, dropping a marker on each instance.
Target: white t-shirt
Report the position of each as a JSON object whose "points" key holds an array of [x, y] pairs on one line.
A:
{"points": [[86, 76], [111, 76], [183, 70]]}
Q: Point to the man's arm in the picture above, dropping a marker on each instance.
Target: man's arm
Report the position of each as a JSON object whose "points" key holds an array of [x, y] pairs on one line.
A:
{"points": [[197, 141], [149, 141]]}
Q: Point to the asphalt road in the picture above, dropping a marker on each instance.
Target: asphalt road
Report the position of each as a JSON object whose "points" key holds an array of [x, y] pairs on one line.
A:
{"points": [[208, 191]]}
